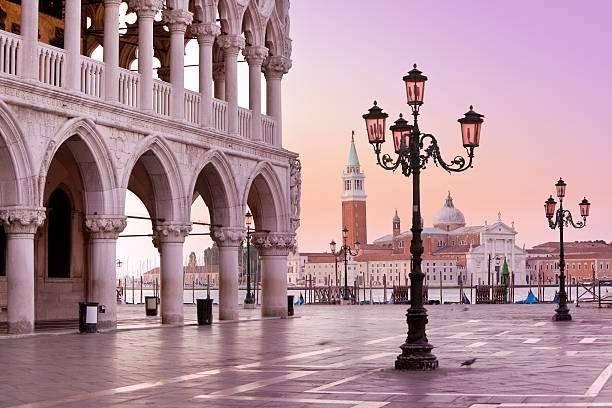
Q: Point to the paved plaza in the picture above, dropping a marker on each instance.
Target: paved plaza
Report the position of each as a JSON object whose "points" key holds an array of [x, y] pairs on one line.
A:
{"points": [[327, 356]]}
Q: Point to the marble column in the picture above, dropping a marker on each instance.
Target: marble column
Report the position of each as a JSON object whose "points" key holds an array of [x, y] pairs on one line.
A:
{"points": [[146, 10], [102, 278], [177, 21], [72, 44], [231, 45], [206, 34], [111, 49], [219, 80], [170, 238], [274, 69], [228, 240], [255, 57], [29, 36], [274, 248], [20, 225]]}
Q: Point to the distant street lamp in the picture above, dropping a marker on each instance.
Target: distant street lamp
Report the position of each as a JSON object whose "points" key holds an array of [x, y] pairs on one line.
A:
{"points": [[561, 218], [412, 156], [248, 220], [345, 251]]}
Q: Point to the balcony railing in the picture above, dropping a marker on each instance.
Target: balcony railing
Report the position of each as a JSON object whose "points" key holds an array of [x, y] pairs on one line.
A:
{"points": [[52, 72]]}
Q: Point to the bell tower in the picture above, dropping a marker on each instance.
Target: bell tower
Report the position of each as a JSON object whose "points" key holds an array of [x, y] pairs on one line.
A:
{"points": [[354, 199]]}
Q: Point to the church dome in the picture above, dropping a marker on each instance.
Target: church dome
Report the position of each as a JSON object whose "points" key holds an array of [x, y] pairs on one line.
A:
{"points": [[449, 217]]}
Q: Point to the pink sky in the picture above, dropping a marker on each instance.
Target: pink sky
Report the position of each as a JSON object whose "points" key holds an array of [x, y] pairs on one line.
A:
{"points": [[539, 71]]}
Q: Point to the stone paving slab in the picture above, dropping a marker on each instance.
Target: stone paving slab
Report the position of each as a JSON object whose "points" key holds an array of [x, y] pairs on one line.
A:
{"points": [[332, 356]]}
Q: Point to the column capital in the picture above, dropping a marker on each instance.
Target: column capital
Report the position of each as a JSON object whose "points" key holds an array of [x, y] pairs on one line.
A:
{"points": [[205, 32], [274, 243], [255, 55], [22, 220], [105, 226], [146, 8], [276, 66], [231, 44], [177, 20], [112, 3], [228, 236], [165, 233]]}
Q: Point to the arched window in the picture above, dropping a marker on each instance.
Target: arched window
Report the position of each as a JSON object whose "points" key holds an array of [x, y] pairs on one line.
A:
{"points": [[2, 252], [58, 239]]}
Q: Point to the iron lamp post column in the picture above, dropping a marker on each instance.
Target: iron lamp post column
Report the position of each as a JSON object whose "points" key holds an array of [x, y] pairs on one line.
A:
{"points": [[414, 151], [345, 251], [560, 219]]}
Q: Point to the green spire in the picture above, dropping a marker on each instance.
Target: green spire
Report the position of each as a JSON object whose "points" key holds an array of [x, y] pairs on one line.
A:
{"points": [[353, 160]]}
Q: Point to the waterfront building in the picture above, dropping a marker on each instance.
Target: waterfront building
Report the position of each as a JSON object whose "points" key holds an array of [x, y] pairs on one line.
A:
{"points": [[78, 131]]}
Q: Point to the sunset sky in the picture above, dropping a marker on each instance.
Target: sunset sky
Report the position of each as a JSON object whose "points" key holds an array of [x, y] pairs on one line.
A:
{"points": [[539, 71]]}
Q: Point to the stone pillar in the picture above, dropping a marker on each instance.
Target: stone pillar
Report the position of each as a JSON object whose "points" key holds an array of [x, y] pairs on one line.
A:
{"points": [[228, 240], [255, 56], [72, 45], [20, 225], [206, 34], [103, 234], [231, 45], [146, 10], [111, 49], [177, 21], [29, 35], [219, 80], [171, 238], [274, 69], [274, 248]]}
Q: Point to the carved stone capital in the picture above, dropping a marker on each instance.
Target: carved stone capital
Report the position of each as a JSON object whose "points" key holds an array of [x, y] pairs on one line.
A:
{"points": [[146, 8], [256, 55], [228, 237], [231, 44], [205, 32], [164, 233], [177, 20], [105, 227], [22, 220], [274, 243], [116, 3], [276, 66]]}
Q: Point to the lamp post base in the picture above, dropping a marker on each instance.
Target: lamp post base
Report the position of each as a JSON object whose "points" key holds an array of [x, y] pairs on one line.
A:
{"points": [[562, 315], [416, 357]]}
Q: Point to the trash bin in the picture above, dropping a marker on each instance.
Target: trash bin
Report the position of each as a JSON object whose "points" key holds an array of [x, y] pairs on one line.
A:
{"points": [[151, 305], [204, 307], [88, 317], [290, 310]]}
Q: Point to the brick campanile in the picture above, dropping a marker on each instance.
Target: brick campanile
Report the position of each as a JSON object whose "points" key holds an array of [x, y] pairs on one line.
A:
{"points": [[354, 199]]}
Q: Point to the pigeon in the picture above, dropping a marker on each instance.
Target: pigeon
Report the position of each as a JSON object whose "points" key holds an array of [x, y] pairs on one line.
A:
{"points": [[469, 362], [323, 343]]}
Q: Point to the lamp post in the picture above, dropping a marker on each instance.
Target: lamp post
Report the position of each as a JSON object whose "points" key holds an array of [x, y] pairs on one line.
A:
{"points": [[414, 152], [561, 218], [249, 300], [345, 251]]}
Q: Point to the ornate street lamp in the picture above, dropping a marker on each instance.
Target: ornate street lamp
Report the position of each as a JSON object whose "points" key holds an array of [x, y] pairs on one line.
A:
{"points": [[332, 247], [414, 151], [560, 218], [344, 251], [248, 220]]}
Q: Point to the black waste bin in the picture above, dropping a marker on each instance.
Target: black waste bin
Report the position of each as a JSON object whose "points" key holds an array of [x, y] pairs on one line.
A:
{"points": [[204, 307], [151, 305], [88, 317], [290, 310]]}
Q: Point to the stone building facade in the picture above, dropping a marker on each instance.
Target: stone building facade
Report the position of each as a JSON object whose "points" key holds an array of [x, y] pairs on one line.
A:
{"points": [[77, 133]]}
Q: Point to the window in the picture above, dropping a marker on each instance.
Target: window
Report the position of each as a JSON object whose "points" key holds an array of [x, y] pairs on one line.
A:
{"points": [[58, 235], [2, 252]]}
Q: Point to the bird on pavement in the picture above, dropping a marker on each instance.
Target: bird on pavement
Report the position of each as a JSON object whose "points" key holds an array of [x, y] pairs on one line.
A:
{"points": [[469, 362]]}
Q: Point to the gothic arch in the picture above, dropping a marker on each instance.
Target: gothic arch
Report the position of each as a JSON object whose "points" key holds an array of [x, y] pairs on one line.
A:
{"points": [[96, 166], [230, 15], [254, 23], [154, 159], [266, 199], [215, 181], [16, 186]]}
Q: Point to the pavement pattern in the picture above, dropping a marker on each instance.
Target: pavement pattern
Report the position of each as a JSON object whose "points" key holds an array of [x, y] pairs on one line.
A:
{"points": [[327, 356]]}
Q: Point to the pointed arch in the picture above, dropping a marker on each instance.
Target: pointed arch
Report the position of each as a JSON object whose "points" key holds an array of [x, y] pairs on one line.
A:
{"points": [[93, 157], [16, 171], [254, 24], [154, 159], [214, 179], [230, 15], [265, 196]]}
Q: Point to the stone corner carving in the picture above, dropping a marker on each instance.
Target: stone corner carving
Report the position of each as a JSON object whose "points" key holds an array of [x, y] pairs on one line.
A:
{"points": [[295, 191]]}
